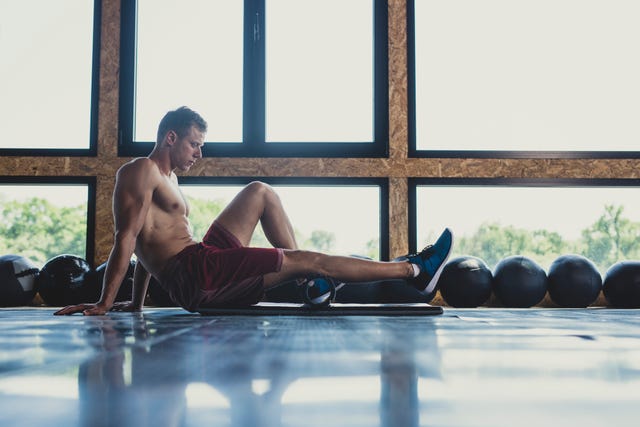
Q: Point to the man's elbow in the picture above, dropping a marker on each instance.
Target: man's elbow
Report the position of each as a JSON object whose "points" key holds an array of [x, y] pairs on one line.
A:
{"points": [[125, 239]]}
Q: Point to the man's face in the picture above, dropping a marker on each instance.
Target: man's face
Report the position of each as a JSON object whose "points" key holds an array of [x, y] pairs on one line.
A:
{"points": [[187, 149]]}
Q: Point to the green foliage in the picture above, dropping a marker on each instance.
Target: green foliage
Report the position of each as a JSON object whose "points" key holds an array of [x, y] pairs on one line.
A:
{"points": [[259, 240], [373, 249], [39, 230], [320, 241], [202, 213], [610, 239], [493, 242]]}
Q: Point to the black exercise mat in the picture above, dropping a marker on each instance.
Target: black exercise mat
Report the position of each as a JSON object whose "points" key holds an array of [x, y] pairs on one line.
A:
{"points": [[336, 309]]}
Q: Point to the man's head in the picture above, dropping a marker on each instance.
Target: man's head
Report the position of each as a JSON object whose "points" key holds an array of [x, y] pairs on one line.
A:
{"points": [[181, 133], [180, 121]]}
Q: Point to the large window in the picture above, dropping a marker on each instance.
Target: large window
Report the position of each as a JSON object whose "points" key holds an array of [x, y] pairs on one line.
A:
{"points": [[319, 83], [330, 215], [541, 219], [272, 77], [197, 62], [529, 78], [48, 76], [42, 218]]}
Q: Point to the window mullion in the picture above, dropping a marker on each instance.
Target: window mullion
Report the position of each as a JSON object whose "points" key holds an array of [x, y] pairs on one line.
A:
{"points": [[254, 75]]}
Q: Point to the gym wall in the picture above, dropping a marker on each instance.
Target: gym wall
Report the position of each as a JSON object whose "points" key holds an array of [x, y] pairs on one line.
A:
{"points": [[398, 167]]}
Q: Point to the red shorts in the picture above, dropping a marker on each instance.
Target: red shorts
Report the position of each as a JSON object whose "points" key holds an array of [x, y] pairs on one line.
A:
{"points": [[219, 271]]}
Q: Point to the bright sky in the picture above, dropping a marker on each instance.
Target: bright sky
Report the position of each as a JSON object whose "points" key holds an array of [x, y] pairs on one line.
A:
{"points": [[531, 75], [319, 84], [209, 76], [496, 74], [45, 73], [566, 210], [58, 195]]}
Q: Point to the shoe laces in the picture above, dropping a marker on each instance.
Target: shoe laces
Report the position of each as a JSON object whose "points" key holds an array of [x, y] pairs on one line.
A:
{"points": [[425, 249]]}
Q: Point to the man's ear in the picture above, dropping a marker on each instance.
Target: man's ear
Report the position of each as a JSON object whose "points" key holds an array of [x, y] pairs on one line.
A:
{"points": [[171, 137]]}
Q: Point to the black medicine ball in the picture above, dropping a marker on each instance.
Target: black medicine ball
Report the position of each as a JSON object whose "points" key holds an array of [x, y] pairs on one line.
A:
{"points": [[96, 278], [574, 281], [17, 280], [519, 282], [159, 297], [62, 281], [622, 284], [466, 281]]}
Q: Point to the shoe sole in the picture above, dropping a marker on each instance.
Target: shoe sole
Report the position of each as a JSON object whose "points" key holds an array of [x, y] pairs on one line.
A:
{"points": [[434, 280]]}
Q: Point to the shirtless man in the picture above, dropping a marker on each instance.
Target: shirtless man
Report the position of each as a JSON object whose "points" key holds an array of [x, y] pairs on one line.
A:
{"points": [[151, 220]]}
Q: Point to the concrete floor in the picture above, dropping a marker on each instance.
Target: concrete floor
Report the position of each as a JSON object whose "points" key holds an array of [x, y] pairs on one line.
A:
{"points": [[475, 367]]}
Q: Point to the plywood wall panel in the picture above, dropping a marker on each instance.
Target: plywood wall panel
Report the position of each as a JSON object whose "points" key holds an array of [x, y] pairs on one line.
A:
{"points": [[451, 168], [104, 219], [398, 217], [398, 104], [109, 75]]}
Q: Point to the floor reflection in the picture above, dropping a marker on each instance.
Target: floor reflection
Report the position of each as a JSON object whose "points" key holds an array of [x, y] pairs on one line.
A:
{"points": [[126, 383], [466, 368], [254, 372]]}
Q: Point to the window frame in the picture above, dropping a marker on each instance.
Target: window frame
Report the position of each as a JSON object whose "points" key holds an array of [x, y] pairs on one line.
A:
{"points": [[254, 143], [381, 183], [413, 151], [95, 91], [89, 181], [414, 183]]}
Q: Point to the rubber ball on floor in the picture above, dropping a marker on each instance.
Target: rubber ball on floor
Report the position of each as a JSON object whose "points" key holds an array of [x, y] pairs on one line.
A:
{"points": [[94, 281], [466, 282], [158, 296], [62, 281], [519, 282], [574, 281], [17, 280], [621, 285]]}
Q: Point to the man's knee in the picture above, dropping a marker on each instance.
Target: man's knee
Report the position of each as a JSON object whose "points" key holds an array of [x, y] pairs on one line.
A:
{"points": [[263, 191], [258, 187]]}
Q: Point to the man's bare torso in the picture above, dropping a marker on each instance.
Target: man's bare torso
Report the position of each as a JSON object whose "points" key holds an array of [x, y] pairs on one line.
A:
{"points": [[166, 229]]}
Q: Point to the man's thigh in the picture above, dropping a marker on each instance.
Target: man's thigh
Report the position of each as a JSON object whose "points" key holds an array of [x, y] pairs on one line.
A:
{"points": [[242, 214]]}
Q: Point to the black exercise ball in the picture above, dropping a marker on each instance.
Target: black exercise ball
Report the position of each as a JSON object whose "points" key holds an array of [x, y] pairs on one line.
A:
{"points": [[519, 282], [622, 284], [126, 286], [574, 281], [288, 291], [17, 280], [62, 281], [158, 296], [466, 282]]}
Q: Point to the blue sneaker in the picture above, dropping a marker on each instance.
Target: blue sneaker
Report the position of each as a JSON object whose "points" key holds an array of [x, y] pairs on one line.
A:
{"points": [[431, 261]]}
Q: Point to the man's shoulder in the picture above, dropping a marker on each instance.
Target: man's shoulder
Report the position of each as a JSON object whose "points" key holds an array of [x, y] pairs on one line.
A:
{"points": [[141, 171], [138, 165]]}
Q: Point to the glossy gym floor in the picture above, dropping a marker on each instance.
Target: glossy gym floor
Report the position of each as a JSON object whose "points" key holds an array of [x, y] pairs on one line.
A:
{"points": [[466, 367]]}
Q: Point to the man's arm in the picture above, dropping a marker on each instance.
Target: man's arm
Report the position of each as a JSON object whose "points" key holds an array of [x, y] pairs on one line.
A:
{"points": [[131, 201], [141, 280]]}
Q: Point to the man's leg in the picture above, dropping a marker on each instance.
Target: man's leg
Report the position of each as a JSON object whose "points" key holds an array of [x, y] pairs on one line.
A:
{"points": [[257, 202], [297, 263], [422, 269]]}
